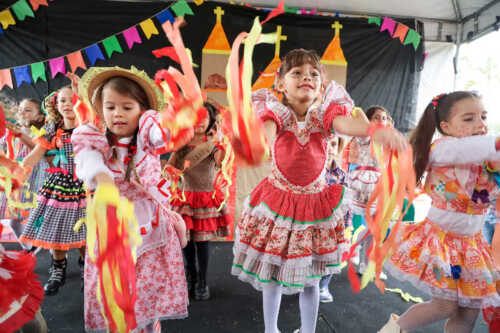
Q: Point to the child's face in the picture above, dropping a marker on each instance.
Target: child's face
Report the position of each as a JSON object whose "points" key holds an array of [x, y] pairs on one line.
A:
{"points": [[301, 84], [29, 113], [65, 104], [467, 118], [202, 127], [380, 117], [121, 113]]}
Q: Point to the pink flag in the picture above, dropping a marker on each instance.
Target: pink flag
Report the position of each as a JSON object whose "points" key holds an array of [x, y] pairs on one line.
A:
{"points": [[132, 36], [388, 25], [57, 66]]}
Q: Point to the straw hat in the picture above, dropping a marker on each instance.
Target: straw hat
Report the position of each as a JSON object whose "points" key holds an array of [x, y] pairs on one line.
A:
{"points": [[95, 76]]}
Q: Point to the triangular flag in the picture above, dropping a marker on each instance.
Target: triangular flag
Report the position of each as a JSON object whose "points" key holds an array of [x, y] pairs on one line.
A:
{"points": [[149, 28], [38, 72], [132, 36], [6, 19], [375, 20], [57, 66], [277, 11], [22, 75], [75, 60], [22, 9], [291, 10], [165, 16], [168, 51], [388, 25], [412, 37], [400, 32], [5, 78], [198, 2], [36, 3], [94, 53], [111, 45], [181, 8]]}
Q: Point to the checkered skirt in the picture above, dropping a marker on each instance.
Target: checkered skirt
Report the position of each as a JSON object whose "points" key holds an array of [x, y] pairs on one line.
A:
{"points": [[61, 203]]}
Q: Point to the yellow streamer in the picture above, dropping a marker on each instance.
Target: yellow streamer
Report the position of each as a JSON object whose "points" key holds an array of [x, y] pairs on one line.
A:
{"points": [[406, 296]]}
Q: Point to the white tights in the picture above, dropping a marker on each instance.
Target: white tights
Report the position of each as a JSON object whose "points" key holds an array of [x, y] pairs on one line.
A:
{"points": [[460, 320], [308, 303]]}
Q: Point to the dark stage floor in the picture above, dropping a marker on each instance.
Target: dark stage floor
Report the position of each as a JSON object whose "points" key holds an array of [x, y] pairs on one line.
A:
{"points": [[236, 307]]}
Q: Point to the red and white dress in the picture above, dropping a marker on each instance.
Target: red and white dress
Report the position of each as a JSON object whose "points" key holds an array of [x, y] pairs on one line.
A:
{"points": [[200, 210], [160, 280], [291, 231]]}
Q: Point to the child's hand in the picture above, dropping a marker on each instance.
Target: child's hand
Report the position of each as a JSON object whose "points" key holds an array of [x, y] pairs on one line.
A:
{"points": [[391, 138], [74, 81], [183, 240], [13, 128]]}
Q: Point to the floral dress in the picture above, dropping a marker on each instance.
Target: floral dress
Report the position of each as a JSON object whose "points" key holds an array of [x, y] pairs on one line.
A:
{"points": [[160, 280], [291, 231], [447, 255]]}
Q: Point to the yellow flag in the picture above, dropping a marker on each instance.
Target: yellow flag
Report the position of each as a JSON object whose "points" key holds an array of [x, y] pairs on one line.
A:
{"points": [[149, 28], [6, 19]]}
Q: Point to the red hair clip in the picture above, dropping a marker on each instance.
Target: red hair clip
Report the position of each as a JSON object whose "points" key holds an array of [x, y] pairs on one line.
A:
{"points": [[436, 99]]}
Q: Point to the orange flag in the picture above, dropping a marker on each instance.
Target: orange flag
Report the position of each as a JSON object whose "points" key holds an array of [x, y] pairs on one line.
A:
{"points": [[5, 78], [75, 60], [37, 3], [400, 32]]}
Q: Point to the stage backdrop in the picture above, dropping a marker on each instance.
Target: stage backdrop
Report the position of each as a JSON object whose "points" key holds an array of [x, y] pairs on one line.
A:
{"points": [[377, 59]]}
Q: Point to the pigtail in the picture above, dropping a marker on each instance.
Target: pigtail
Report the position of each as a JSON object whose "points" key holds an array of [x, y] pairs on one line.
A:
{"points": [[50, 107], [421, 139], [132, 148]]}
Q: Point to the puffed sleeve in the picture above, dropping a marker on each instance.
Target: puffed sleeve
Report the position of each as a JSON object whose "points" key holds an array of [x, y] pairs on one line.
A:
{"points": [[91, 148], [268, 107], [152, 137], [336, 102], [461, 151]]}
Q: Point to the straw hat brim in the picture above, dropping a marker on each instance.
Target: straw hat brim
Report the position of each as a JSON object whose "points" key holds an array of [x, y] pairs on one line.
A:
{"points": [[96, 76]]}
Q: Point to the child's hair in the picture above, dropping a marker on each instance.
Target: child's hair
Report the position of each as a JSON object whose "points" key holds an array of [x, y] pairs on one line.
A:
{"points": [[130, 88], [50, 106], [372, 109], [299, 57], [438, 110], [212, 116]]}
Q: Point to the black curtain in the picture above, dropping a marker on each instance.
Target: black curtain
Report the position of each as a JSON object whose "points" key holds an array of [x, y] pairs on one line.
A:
{"points": [[381, 70]]}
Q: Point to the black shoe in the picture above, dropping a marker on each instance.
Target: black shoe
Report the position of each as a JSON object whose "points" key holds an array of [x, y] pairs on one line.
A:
{"points": [[202, 292], [57, 277], [191, 283], [81, 263]]}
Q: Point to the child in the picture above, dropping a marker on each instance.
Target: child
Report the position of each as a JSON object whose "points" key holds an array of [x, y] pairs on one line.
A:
{"points": [[29, 114], [363, 177], [446, 255], [61, 200], [127, 154], [200, 211], [291, 232], [334, 175]]}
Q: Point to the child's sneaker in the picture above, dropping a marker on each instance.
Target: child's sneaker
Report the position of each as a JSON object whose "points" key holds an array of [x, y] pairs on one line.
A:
{"points": [[325, 296]]}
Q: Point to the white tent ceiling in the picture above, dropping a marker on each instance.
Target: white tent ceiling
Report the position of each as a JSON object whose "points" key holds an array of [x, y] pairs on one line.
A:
{"points": [[442, 18]]}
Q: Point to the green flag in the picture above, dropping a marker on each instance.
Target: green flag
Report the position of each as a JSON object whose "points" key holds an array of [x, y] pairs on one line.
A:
{"points": [[181, 8], [412, 37], [111, 45], [375, 20], [22, 9], [38, 71]]}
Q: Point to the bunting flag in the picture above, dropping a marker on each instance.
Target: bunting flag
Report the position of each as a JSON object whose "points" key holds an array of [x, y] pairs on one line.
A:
{"points": [[5, 78], [22, 74], [111, 45], [57, 66], [22, 9], [6, 19], [94, 53], [388, 25], [38, 72], [165, 16], [132, 36], [181, 8], [149, 28], [37, 3], [374, 20], [1, 31], [168, 51], [75, 60], [198, 2], [277, 11], [291, 10], [400, 32], [412, 37]]}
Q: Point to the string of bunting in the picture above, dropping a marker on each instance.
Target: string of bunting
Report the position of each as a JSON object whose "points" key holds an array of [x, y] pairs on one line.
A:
{"points": [[21, 10], [32, 73], [397, 30]]}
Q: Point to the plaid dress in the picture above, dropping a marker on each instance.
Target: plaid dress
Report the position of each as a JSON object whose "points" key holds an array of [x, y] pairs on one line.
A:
{"points": [[61, 200]]}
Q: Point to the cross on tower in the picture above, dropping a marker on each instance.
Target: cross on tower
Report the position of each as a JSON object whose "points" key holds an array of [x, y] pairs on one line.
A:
{"points": [[279, 38], [337, 26], [219, 12]]}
